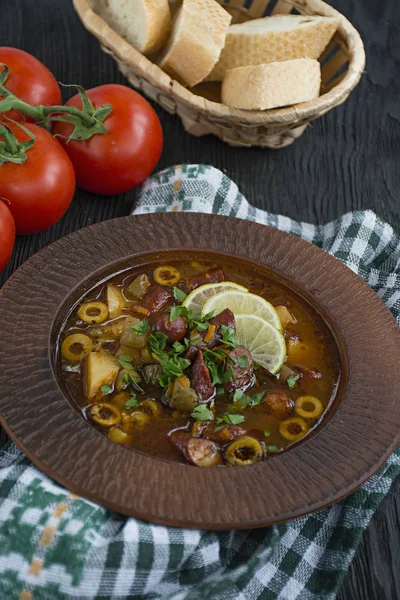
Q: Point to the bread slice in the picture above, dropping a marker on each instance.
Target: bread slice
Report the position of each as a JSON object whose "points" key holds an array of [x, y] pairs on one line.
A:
{"points": [[273, 39], [275, 84], [145, 24], [198, 36]]}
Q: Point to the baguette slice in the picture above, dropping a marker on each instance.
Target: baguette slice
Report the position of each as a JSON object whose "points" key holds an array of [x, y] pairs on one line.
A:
{"points": [[198, 36], [274, 39], [145, 24], [275, 84]]}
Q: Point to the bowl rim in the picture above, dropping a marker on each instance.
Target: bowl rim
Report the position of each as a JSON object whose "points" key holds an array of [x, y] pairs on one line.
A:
{"points": [[234, 498], [123, 51]]}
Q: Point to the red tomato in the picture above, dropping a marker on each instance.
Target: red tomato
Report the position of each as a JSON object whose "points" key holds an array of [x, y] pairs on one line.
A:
{"points": [[7, 235], [39, 191], [28, 79], [126, 155]]}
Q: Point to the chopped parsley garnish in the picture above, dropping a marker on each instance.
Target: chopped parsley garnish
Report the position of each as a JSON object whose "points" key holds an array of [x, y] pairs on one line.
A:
{"points": [[291, 381], [234, 419], [127, 357], [173, 367], [202, 413], [179, 295], [202, 323], [242, 400], [216, 363], [178, 347], [196, 340], [213, 370], [208, 316], [229, 419], [228, 356], [242, 361], [228, 336], [257, 399], [178, 311], [213, 355], [157, 342], [228, 376], [272, 448], [266, 433], [125, 360], [132, 401], [106, 389], [132, 377], [140, 328], [163, 380], [126, 378]]}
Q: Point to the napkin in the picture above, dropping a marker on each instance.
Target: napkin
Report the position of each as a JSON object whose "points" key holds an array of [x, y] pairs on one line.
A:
{"points": [[55, 546]]}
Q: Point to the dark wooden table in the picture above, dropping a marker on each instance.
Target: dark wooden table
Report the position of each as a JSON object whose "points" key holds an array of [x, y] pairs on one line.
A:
{"points": [[349, 159]]}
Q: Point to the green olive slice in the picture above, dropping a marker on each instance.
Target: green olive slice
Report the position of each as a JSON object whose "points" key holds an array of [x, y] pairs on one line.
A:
{"points": [[93, 312], [309, 407], [76, 346], [293, 429], [245, 450], [105, 414]]}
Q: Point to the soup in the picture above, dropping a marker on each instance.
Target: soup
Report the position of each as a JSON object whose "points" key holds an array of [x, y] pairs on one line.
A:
{"points": [[199, 362]]}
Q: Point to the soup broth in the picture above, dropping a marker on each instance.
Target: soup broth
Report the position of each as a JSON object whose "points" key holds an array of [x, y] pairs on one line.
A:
{"points": [[154, 373]]}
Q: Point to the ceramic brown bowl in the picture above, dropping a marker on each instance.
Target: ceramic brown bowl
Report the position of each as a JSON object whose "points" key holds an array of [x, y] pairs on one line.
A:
{"points": [[362, 429]]}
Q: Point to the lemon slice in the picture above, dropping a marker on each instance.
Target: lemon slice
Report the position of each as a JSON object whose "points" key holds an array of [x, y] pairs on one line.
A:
{"points": [[196, 299], [241, 303], [264, 342]]}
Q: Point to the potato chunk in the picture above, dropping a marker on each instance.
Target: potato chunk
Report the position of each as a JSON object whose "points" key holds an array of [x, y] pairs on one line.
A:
{"points": [[299, 353], [129, 337], [115, 300], [109, 331], [101, 369], [284, 314]]}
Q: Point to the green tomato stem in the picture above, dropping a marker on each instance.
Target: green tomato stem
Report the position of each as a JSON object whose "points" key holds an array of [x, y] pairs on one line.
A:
{"points": [[42, 114], [10, 141], [11, 102], [86, 118], [11, 150], [87, 121]]}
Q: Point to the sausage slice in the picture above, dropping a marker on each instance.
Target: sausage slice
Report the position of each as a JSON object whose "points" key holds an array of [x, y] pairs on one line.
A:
{"points": [[242, 366], [201, 379], [198, 451]]}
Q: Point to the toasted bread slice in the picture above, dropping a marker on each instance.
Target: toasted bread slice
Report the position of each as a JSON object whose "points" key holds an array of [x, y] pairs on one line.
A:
{"points": [[272, 85], [274, 39]]}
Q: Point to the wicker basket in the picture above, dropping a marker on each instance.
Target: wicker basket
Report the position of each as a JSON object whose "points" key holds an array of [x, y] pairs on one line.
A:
{"points": [[201, 112]]}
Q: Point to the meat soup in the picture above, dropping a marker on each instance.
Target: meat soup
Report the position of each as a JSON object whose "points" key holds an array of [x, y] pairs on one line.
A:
{"points": [[199, 362]]}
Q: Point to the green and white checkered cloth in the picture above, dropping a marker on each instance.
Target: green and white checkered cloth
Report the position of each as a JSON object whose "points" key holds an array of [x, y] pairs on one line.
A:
{"points": [[55, 546]]}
